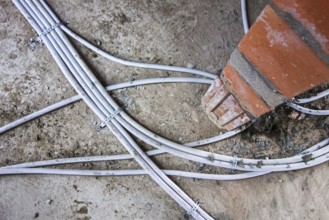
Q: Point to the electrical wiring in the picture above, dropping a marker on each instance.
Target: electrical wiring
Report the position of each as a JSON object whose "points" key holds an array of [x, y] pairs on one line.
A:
{"points": [[93, 98], [73, 99], [22, 168], [149, 134], [50, 29], [311, 99], [121, 156], [295, 166], [195, 157], [230, 177], [131, 63], [244, 16], [182, 152], [308, 110], [294, 103], [151, 138]]}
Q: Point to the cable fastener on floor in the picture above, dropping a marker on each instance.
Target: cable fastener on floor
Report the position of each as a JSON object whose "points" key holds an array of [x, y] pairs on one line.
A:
{"points": [[48, 30], [194, 208], [103, 124], [234, 163]]}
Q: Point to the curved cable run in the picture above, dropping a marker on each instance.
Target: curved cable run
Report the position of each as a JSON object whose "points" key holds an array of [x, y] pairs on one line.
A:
{"points": [[205, 176], [73, 99], [28, 168], [203, 156], [311, 99], [96, 97], [49, 28], [132, 63], [244, 16], [308, 110], [121, 156]]}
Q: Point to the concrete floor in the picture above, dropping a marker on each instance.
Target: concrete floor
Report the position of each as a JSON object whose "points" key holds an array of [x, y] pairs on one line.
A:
{"points": [[168, 32]]}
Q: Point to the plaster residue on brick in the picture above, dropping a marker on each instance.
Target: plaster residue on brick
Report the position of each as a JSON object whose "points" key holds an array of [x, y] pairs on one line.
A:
{"points": [[316, 32], [312, 16], [277, 37]]}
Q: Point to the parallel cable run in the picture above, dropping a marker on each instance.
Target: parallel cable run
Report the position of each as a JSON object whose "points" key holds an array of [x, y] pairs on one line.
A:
{"points": [[308, 110], [96, 97], [113, 116]]}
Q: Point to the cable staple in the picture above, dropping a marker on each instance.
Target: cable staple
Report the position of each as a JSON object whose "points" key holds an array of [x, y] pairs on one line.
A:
{"points": [[48, 30], [194, 208], [108, 119]]}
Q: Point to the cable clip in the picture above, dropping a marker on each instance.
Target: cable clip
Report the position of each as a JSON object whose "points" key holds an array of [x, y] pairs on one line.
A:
{"points": [[48, 30], [194, 208], [292, 100], [234, 163], [103, 124]]}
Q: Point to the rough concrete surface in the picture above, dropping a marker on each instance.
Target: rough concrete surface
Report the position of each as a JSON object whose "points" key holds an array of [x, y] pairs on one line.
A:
{"points": [[203, 33]]}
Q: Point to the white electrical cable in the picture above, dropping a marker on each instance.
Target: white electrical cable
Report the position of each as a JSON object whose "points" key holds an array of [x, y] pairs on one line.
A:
{"points": [[152, 134], [125, 62], [314, 151], [244, 16], [131, 63], [15, 169], [230, 177], [73, 99], [182, 152], [294, 166], [308, 110], [311, 99], [228, 164], [121, 156], [101, 106], [148, 136]]}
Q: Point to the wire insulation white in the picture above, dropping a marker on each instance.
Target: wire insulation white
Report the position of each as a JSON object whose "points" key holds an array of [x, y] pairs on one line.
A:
{"points": [[98, 100], [244, 16], [45, 22], [311, 99], [308, 110], [73, 99]]}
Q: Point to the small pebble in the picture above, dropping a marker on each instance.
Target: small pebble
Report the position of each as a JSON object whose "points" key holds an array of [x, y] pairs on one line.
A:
{"points": [[293, 115], [98, 42], [49, 201], [190, 65], [301, 117], [326, 121]]}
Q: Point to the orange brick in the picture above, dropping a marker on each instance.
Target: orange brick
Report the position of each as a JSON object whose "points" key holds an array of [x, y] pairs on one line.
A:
{"points": [[313, 15], [239, 121], [212, 90], [220, 105], [245, 95], [217, 99], [214, 95], [228, 110], [281, 56]]}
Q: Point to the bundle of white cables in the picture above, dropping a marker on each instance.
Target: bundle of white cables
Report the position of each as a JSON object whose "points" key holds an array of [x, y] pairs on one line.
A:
{"points": [[52, 33]]}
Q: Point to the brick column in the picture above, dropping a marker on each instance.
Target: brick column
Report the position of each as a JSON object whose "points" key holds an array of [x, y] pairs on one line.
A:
{"points": [[285, 53]]}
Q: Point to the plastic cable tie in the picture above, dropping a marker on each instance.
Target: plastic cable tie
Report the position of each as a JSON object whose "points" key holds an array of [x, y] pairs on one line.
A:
{"points": [[234, 163], [194, 208], [48, 30], [108, 119]]}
